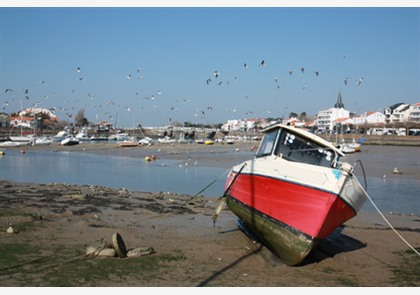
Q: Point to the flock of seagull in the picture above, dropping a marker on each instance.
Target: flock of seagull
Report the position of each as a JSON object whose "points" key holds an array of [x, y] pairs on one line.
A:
{"points": [[10, 96]]}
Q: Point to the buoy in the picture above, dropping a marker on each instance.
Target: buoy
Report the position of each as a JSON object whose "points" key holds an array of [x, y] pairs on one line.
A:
{"points": [[147, 159], [22, 151], [2, 153], [153, 157]]}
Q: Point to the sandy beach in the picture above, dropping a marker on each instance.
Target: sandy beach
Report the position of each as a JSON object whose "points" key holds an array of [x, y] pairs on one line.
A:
{"points": [[54, 225]]}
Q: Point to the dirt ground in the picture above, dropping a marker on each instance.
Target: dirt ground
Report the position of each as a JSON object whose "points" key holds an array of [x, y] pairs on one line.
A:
{"points": [[54, 225]]}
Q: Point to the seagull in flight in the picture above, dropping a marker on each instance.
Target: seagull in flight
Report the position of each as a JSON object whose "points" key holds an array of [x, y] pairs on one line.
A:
{"points": [[216, 74], [262, 63], [346, 81]]}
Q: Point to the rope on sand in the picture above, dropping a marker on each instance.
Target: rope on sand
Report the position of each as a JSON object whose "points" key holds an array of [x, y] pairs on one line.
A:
{"points": [[386, 220], [390, 225]]}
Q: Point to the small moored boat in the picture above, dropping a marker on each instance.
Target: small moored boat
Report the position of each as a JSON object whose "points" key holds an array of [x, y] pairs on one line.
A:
{"points": [[70, 140], [294, 193]]}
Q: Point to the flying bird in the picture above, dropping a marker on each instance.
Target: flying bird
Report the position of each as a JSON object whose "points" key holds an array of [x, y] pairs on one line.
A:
{"points": [[290, 71], [129, 77], [358, 82], [78, 69], [262, 63], [8, 90], [303, 70], [216, 74], [245, 66], [317, 73], [346, 81]]}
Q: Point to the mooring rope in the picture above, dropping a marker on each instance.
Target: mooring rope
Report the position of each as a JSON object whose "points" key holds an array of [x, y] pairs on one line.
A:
{"points": [[380, 213]]}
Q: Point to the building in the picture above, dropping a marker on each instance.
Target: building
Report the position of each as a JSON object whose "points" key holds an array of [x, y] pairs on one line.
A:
{"points": [[397, 113], [414, 113], [327, 119], [370, 118]]}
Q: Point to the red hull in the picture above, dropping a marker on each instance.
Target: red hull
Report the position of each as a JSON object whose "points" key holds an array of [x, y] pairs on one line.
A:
{"points": [[311, 211]]}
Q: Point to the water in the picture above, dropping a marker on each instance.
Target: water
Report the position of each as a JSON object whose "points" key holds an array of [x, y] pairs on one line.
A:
{"points": [[390, 194], [111, 171]]}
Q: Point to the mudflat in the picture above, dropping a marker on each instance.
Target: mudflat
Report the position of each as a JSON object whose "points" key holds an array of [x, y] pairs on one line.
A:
{"points": [[54, 224]]}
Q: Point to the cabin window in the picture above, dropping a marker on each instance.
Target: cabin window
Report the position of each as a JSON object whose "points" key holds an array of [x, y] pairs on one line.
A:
{"points": [[293, 147], [267, 143]]}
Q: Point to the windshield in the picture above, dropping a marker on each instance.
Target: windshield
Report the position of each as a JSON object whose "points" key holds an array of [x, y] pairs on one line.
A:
{"points": [[293, 147], [267, 143]]}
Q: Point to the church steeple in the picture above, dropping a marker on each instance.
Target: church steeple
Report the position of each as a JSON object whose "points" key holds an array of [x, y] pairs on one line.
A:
{"points": [[339, 104]]}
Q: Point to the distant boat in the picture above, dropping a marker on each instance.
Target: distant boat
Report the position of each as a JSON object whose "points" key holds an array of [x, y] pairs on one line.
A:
{"points": [[82, 135], [346, 148], [357, 146], [41, 140], [120, 137], [23, 139], [60, 136], [294, 192], [146, 141], [209, 141], [128, 143], [167, 140], [9, 143], [70, 140]]}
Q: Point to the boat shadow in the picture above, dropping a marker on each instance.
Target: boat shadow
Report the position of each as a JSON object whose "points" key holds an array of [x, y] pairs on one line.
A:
{"points": [[334, 244]]}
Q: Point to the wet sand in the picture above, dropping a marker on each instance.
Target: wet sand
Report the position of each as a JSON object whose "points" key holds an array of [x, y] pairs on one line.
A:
{"points": [[55, 223]]}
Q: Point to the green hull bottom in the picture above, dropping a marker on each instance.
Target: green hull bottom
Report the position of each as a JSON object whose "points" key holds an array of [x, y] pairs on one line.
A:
{"points": [[289, 245]]}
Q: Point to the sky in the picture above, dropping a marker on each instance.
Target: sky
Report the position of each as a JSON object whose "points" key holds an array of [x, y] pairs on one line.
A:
{"points": [[157, 66]]}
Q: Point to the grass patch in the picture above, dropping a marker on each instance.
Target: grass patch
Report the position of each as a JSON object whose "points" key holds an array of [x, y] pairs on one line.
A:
{"points": [[407, 273], [27, 267]]}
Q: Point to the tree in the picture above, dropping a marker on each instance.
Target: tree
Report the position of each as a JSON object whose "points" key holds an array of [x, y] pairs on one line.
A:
{"points": [[80, 119]]}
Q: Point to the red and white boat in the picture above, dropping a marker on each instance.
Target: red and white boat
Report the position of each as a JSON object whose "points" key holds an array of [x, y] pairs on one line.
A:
{"points": [[294, 192]]}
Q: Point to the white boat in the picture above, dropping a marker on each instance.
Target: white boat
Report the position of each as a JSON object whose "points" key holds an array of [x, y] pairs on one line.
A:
{"points": [[41, 140], [60, 136], [70, 140], [346, 148], [294, 192], [9, 143], [23, 139], [357, 146], [83, 135], [166, 140], [146, 141], [120, 137]]}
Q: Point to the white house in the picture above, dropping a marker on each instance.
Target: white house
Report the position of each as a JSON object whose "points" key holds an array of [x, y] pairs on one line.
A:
{"points": [[371, 118], [414, 113], [397, 113]]}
